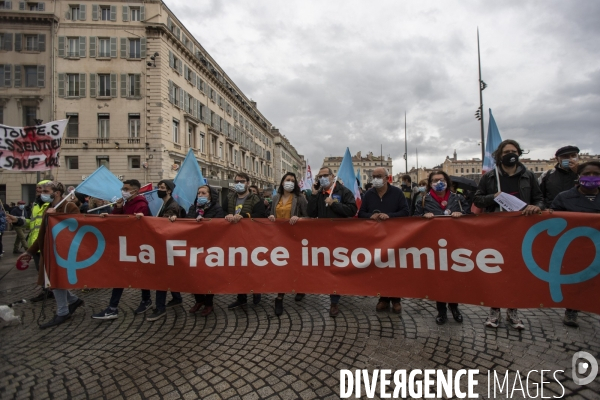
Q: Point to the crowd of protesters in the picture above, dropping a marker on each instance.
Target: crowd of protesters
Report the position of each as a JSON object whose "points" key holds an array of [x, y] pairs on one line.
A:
{"points": [[569, 186]]}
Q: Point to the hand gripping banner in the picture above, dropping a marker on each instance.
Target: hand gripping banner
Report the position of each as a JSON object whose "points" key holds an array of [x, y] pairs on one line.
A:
{"points": [[497, 260]]}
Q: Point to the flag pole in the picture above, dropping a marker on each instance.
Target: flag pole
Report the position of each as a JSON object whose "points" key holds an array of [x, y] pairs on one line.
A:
{"points": [[405, 146], [481, 87]]}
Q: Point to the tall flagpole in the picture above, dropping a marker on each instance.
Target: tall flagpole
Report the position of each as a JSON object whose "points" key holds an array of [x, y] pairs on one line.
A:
{"points": [[482, 86], [405, 146], [417, 150]]}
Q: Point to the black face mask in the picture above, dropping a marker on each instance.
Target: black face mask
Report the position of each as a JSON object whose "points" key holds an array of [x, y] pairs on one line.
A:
{"points": [[161, 194], [510, 159]]}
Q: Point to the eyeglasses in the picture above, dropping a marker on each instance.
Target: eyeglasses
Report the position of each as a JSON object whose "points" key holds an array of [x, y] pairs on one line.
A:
{"points": [[241, 181], [322, 176]]}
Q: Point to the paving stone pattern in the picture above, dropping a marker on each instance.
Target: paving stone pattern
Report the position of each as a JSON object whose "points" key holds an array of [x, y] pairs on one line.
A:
{"points": [[252, 354]]}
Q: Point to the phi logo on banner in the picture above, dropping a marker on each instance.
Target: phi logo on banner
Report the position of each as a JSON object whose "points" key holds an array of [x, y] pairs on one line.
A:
{"points": [[553, 276], [71, 264]]}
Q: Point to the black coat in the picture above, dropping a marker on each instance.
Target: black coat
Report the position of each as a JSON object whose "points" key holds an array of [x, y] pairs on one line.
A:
{"points": [[574, 200], [344, 207], [456, 203], [529, 189], [555, 181], [214, 210]]}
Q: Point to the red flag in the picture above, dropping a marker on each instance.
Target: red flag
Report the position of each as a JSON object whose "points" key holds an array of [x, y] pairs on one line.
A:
{"points": [[146, 188]]}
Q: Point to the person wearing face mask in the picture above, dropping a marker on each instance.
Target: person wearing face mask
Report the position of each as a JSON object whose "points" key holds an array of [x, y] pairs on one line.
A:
{"points": [[511, 177], [66, 302], [131, 203], [243, 204], [171, 210], [436, 201], [329, 202], [288, 203], [585, 197], [382, 202], [205, 206], [563, 176], [34, 224], [421, 190], [20, 241], [267, 196]]}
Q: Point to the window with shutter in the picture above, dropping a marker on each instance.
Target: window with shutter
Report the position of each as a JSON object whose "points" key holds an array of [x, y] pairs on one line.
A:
{"points": [[92, 46], [81, 85], [17, 76], [41, 76], [61, 85], [123, 47], [95, 10], [18, 41], [82, 8], [113, 47], [113, 13], [113, 85], [82, 46], [61, 46], [138, 85], [92, 85], [123, 85], [170, 91], [126, 13], [142, 13], [143, 48], [41, 39]]}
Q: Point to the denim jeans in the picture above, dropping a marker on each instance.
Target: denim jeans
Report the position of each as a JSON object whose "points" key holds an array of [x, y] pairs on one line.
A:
{"points": [[63, 299], [161, 298], [118, 292], [335, 298]]}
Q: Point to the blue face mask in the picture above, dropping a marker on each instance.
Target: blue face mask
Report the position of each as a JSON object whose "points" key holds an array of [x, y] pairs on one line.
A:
{"points": [[565, 163], [438, 187], [324, 181], [422, 188], [240, 187], [46, 198], [202, 200], [21, 206]]}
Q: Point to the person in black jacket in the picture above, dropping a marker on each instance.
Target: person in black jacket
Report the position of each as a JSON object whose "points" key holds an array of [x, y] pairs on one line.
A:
{"points": [[205, 205], [563, 176], [511, 177], [331, 200], [585, 197], [243, 204], [171, 210], [440, 200], [382, 202]]}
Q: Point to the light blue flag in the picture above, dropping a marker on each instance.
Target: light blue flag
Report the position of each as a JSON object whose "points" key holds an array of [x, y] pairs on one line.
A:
{"points": [[347, 176], [154, 202], [101, 184], [187, 181], [493, 141]]}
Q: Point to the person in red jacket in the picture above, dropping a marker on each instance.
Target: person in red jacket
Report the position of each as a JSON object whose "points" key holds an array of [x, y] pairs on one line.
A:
{"points": [[132, 203]]}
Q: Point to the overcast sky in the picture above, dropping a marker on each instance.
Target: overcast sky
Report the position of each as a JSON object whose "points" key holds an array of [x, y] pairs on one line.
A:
{"points": [[337, 74]]}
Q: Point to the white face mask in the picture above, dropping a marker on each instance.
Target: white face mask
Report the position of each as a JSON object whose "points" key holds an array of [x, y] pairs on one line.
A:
{"points": [[126, 195], [377, 182], [288, 186]]}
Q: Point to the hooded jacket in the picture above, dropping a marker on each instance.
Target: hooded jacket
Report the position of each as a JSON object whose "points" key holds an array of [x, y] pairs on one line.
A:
{"points": [[135, 205]]}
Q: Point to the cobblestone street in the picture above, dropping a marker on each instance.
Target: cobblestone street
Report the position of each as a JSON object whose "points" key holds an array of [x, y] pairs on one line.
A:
{"points": [[252, 354]]}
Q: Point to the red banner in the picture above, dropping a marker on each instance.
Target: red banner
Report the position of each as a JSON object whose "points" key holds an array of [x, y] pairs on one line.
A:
{"points": [[499, 260]]}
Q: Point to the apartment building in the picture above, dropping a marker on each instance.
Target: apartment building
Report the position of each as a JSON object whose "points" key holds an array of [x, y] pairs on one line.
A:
{"points": [[366, 165], [139, 92], [286, 158]]}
